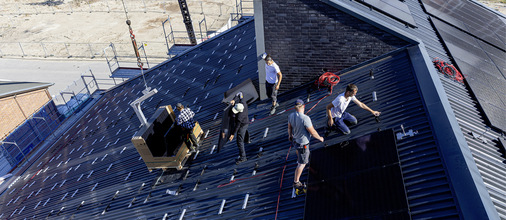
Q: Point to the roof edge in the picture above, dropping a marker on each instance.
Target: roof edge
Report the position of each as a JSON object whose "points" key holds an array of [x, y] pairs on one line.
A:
{"points": [[466, 181], [35, 88]]}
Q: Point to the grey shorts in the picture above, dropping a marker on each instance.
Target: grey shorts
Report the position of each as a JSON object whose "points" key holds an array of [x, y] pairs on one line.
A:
{"points": [[303, 154]]}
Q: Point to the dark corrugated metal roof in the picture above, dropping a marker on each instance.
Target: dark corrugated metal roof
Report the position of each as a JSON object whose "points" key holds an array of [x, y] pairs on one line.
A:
{"points": [[103, 162], [468, 114], [96, 163], [95, 158]]}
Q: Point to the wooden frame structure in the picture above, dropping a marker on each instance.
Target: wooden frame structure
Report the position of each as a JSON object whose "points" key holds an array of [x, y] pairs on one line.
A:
{"points": [[155, 156]]}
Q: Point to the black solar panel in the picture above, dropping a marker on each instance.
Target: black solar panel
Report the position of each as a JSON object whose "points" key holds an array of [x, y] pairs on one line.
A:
{"points": [[483, 67], [396, 9], [357, 179], [470, 18]]}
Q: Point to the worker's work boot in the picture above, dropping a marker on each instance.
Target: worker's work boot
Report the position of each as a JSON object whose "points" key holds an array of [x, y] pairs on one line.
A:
{"points": [[240, 160]]}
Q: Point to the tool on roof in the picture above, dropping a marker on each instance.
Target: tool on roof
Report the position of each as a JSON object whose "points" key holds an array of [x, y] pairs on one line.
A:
{"points": [[327, 79], [403, 134], [448, 70]]}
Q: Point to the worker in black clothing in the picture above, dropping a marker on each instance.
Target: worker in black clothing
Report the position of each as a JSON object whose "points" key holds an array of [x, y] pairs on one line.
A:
{"points": [[240, 111]]}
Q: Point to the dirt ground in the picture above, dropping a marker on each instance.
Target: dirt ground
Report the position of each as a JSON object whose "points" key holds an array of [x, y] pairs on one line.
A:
{"points": [[83, 28], [498, 5]]}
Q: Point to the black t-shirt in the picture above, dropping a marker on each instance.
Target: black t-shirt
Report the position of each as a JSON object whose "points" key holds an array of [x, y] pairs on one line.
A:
{"points": [[241, 117]]}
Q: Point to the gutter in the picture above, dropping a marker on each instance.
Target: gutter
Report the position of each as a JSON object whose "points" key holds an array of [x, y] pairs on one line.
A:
{"points": [[26, 90]]}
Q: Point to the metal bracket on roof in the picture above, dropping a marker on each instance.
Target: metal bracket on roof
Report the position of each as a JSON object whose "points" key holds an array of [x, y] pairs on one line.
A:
{"points": [[481, 137], [245, 203], [131, 203], [403, 134], [222, 206], [170, 192], [61, 210], [186, 174], [106, 208], [182, 214], [136, 105], [196, 185], [203, 170], [147, 198]]}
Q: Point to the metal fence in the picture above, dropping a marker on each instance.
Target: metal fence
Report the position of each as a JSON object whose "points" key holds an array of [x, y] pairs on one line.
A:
{"points": [[77, 50], [242, 8], [92, 6], [20, 142], [86, 50], [80, 90], [37, 127]]}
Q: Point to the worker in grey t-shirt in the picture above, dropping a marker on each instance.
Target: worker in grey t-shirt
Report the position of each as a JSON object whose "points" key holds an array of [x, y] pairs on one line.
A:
{"points": [[300, 130]]}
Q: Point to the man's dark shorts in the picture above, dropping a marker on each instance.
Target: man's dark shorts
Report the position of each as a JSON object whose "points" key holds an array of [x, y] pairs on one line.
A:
{"points": [[302, 154], [272, 92]]}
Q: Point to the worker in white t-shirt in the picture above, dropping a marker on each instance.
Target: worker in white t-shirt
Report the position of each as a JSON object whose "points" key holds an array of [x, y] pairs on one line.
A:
{"points": [[336, 110], [273, 78]]}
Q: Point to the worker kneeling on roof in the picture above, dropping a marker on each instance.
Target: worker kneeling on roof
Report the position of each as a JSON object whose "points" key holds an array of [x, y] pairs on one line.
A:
{"points": [[336, 110]]}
